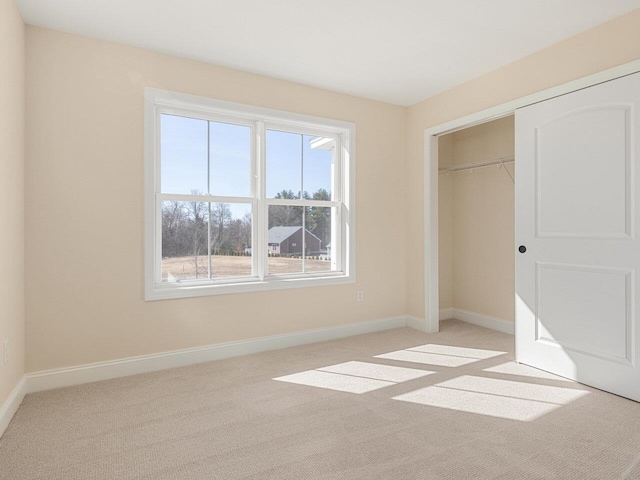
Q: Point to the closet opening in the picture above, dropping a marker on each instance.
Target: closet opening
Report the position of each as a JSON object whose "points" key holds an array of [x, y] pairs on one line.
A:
{"points": [[476, 228]]}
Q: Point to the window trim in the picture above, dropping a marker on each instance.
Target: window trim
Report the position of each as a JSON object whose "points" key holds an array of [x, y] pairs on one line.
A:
{"points": [[260, 119]]}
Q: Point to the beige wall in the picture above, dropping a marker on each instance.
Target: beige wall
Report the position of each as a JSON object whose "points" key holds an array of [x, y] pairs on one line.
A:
{"points": [[476, 214], [84, 205], [11, 196], [84, 199], [610, 44]]}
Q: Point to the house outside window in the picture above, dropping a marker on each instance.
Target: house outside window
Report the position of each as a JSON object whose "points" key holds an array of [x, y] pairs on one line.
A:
{"points": [[241, 199]]}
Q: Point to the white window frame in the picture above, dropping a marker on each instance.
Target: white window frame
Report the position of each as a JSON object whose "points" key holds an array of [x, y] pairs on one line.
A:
{"points": [[158, 102]]}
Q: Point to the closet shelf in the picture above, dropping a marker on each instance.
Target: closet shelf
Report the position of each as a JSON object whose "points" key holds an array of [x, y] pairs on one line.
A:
{"points": [[473, 165]]}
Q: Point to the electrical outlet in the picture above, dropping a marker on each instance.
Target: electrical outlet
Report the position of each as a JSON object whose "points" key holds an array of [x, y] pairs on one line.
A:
{"points": [[360, 296], [6, 352]]}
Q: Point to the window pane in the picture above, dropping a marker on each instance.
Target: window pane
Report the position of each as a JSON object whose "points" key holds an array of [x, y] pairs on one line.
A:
{"points": [[230, 240], [285, 239], [184, 241], [230, 157], [183, 155], [284, 164], [318, 240], [318, 154]]}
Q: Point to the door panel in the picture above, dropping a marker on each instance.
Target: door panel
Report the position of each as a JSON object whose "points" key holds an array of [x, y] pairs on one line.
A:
{"points": [[585, 150], [572, 302], [576, 290]]}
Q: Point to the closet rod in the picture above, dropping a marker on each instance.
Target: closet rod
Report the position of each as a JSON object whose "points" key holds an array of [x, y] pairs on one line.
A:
{"points": [[474, 165]]}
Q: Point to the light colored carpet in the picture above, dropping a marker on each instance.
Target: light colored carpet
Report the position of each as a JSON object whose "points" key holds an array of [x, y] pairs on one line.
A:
{"points": [[445, 406]]}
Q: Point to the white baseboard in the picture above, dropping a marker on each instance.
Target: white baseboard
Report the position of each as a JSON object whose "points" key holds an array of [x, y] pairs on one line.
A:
{"points": [[65, 377], [425, 326], [10, 406], [446, 313], [479, 319], [416, 323]]}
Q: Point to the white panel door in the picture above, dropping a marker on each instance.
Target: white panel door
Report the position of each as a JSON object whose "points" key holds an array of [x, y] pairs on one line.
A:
{"points": [[577, 237]]}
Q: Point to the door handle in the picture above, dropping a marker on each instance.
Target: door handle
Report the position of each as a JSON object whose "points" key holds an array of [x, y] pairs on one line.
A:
{"points": [[522, 249]]}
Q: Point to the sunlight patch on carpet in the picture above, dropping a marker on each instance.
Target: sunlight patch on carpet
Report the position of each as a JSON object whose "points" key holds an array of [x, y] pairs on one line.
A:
{"points": [[377, 371], [512, 368], [334, 381], [477, 353], [493, 397], [440, 355], [427, 358], [355, 377]]}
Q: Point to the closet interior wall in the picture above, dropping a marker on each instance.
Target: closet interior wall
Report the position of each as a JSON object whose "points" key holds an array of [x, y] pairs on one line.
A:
{"points": [[476, 222]]}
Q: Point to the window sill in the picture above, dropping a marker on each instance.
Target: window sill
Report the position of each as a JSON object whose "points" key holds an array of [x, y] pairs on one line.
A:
{"points": [[177, 290]]}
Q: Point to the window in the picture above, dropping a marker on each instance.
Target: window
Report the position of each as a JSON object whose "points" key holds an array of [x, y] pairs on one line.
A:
{"points": [[241, 199]]}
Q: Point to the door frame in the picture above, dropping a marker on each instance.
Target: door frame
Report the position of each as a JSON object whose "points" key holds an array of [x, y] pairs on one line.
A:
{"points": [[431, 323]]}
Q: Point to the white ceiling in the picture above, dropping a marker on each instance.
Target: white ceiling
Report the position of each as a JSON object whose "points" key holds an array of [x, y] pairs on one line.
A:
{"points": [[396, 51]]}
